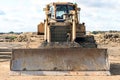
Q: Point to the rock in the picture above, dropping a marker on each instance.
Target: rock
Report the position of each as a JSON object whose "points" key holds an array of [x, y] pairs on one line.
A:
{"points": [[107, 38]]}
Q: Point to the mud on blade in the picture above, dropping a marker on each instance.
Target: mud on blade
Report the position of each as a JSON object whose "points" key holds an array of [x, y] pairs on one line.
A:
{"points": [[60, 59]]}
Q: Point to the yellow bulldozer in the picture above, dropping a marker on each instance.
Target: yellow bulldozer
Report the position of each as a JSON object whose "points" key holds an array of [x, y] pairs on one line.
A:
{"points": [[66, 49]]}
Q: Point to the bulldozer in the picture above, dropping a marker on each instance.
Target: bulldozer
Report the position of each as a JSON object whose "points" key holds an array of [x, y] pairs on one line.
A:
{"points": [[66, 49]]}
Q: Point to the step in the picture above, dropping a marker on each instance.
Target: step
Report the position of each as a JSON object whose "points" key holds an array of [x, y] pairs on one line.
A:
{"points": [[5, 50], [5, 53]]}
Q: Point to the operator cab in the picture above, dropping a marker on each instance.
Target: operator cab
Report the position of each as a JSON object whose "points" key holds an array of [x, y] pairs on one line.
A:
{"points": [[60, 11]]}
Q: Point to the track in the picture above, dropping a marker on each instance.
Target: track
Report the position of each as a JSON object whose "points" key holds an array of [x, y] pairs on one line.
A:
{"points": [[5, 55]]}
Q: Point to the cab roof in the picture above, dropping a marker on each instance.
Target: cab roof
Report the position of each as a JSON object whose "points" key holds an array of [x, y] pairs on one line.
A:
{"points": [[61, 3]]}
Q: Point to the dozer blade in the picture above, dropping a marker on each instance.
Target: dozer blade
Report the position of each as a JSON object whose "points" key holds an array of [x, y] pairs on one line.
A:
{"points": [[59, 59]]}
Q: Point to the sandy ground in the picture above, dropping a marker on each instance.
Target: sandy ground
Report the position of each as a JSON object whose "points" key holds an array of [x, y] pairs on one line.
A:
{"points": [[114, 57]]}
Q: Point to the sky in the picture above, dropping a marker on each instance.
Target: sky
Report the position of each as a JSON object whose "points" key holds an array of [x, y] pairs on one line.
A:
{"points": [[25, 15]]}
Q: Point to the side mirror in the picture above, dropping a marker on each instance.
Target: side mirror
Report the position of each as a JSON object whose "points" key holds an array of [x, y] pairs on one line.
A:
{"points": [[78, 9], [44, 9], [49, 14]]}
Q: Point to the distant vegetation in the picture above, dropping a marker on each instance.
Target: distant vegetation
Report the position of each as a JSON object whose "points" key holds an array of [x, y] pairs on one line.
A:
{"points": [[93, 32], [112, 31], [10, 37], [97, 32], [11, 32]]}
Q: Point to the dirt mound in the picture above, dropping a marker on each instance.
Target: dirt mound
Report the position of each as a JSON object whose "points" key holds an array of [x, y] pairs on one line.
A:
{"points": [[28, 37], [107, 38], [21, 38], [59, 45]]}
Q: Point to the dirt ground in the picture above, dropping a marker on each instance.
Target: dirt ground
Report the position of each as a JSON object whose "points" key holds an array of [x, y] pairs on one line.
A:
{"points": [[114, 57]]}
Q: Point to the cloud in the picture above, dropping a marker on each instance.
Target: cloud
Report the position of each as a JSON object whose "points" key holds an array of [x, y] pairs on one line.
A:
{"points": [[2, 12], [100, 3], [100, 14], [25, 15]]}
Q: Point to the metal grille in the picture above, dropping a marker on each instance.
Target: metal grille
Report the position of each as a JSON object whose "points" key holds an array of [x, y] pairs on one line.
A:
{"points": [[58, 33]]}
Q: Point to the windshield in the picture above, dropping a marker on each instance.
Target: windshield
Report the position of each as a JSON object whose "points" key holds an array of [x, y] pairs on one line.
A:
{"points": [[63, 9]]}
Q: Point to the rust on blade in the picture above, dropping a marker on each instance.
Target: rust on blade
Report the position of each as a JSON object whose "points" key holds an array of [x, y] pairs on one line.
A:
{"points": [[60, 59]]}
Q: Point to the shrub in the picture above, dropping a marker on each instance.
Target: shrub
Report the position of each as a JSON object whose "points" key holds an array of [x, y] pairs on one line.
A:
{"points": [[10, 37], [95, 32]]}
